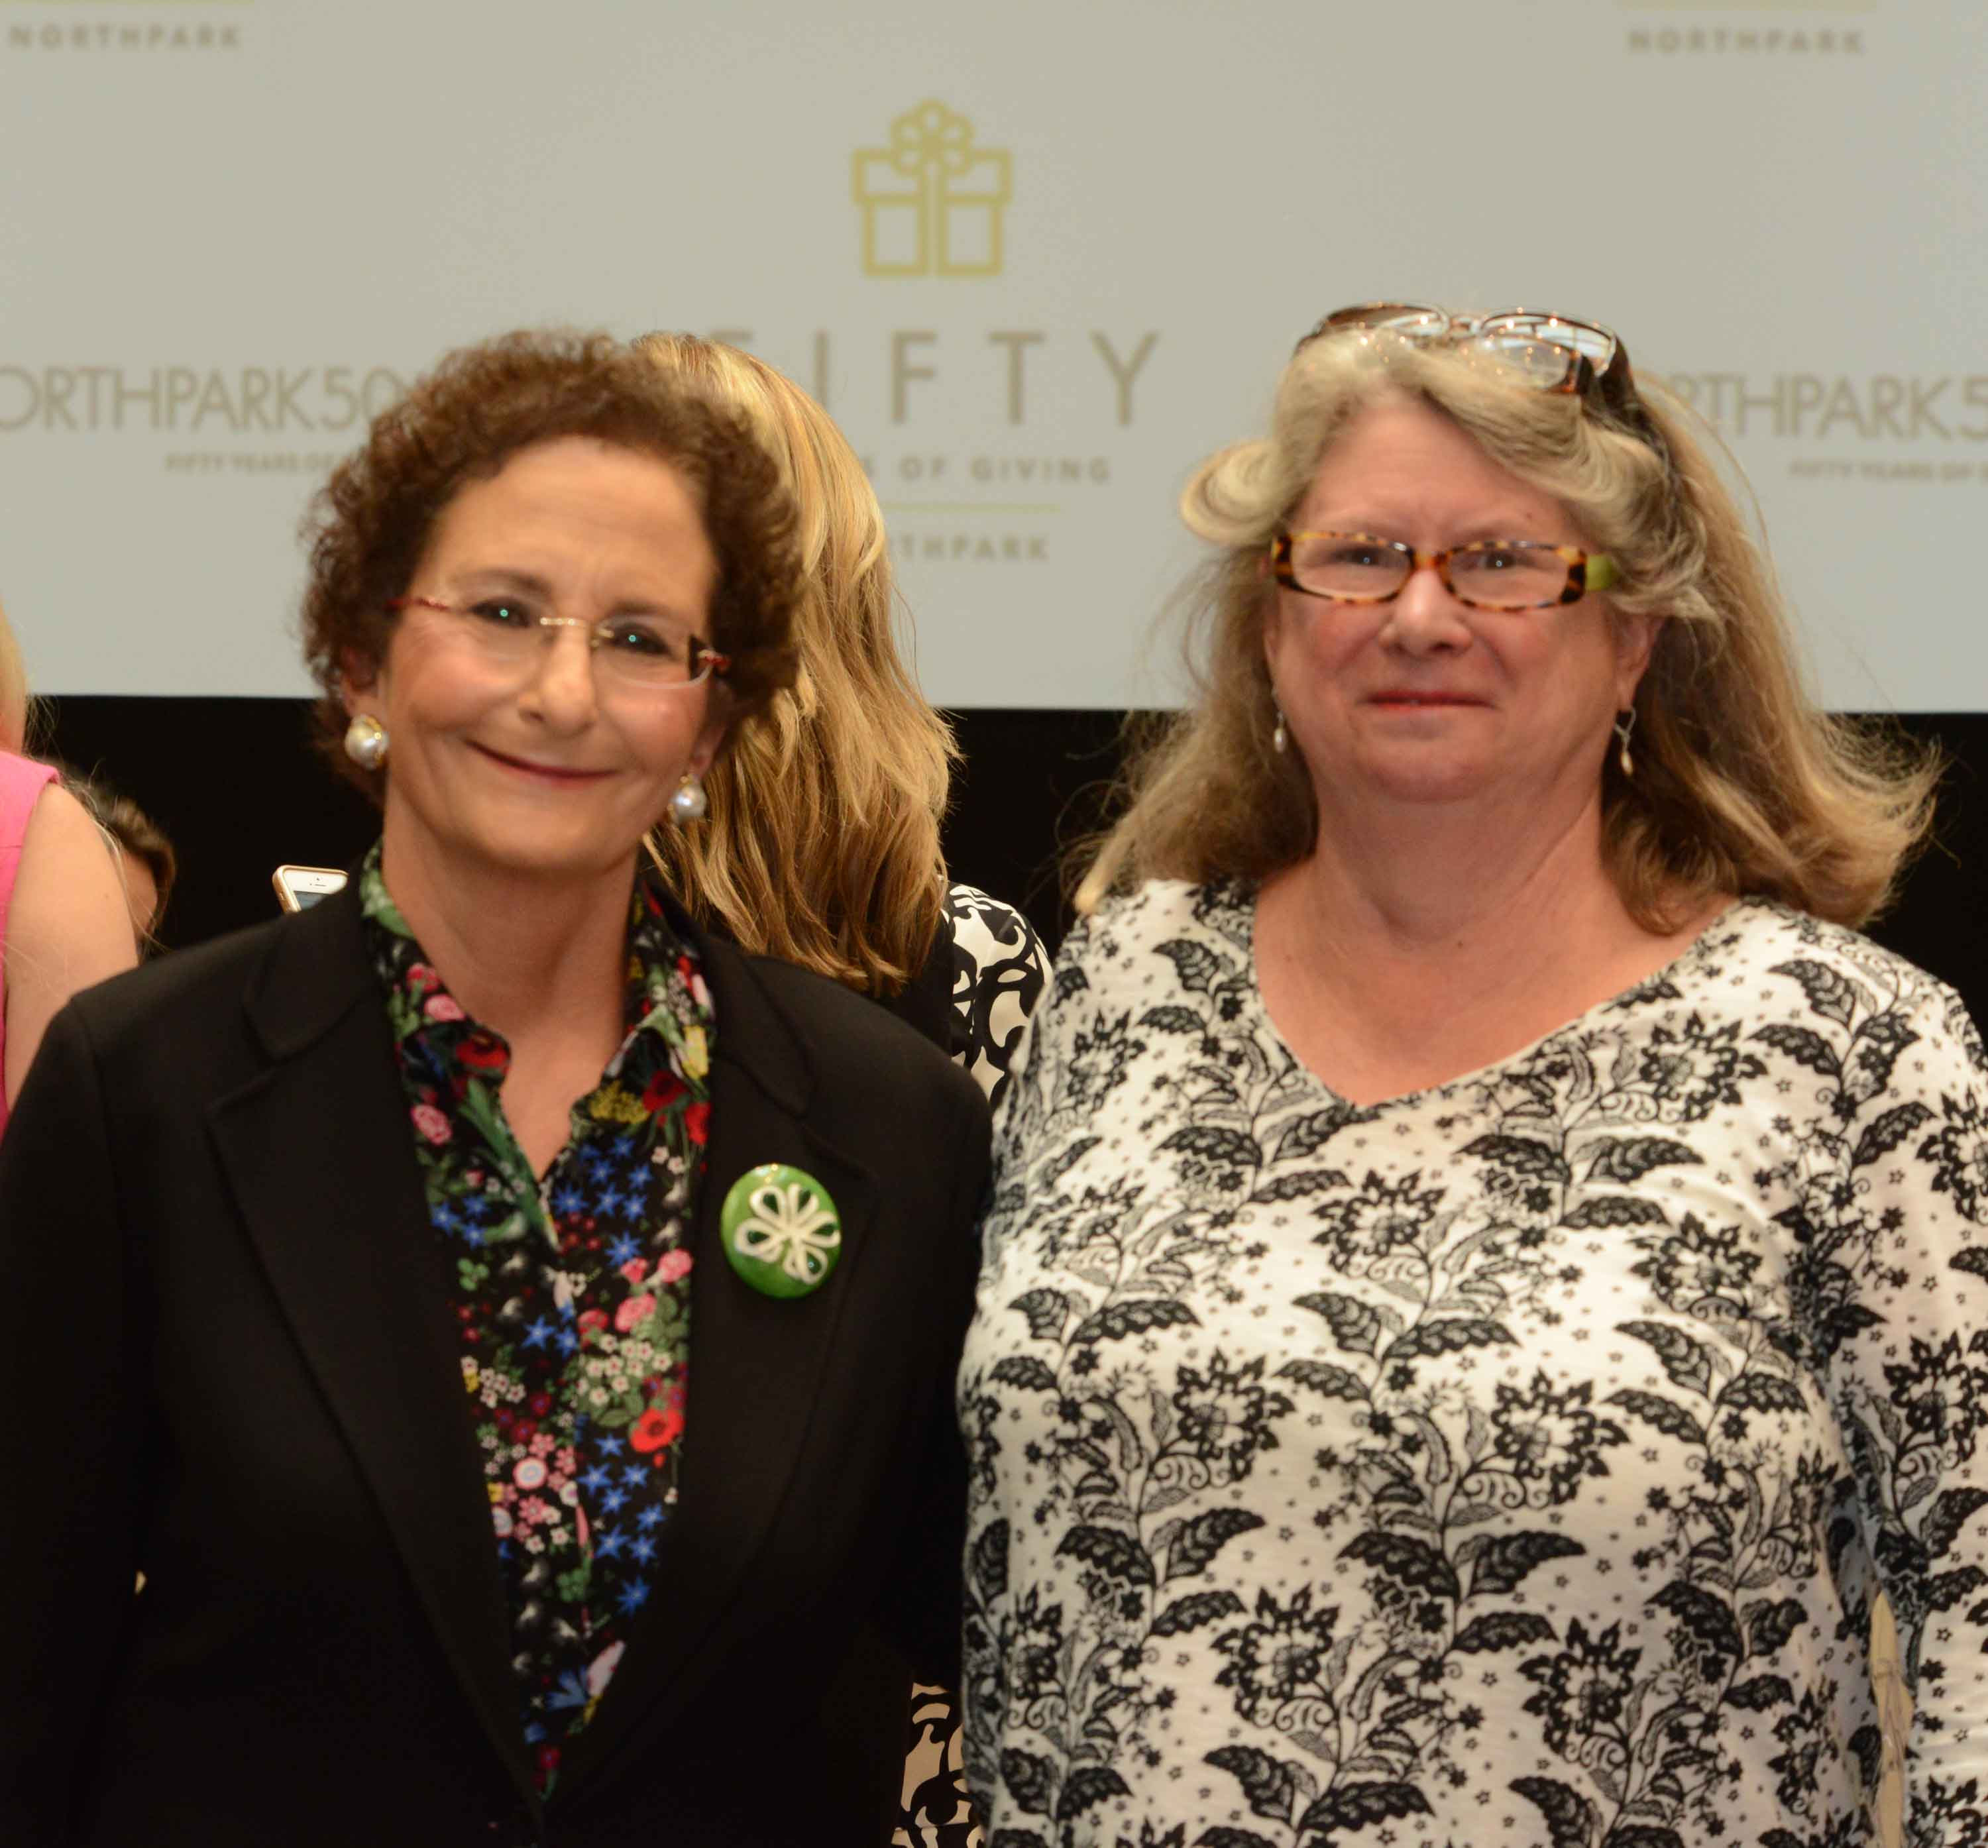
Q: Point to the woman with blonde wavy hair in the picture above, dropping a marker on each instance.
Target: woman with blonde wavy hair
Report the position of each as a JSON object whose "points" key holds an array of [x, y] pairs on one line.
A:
{"points": [[821, 844], [1486, 1261], [62, 920]]}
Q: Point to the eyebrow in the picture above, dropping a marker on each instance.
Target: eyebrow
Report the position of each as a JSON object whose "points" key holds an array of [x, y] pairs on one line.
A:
{"points": [[504, 577], [1470, 533], [527, 584]]}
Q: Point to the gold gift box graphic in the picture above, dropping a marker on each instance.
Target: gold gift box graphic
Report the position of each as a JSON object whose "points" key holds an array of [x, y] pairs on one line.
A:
{"points": [[932, 202]]}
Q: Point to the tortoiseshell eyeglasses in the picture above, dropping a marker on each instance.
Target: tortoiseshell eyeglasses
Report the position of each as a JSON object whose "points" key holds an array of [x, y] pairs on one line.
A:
{"points": [[1488, 574]]}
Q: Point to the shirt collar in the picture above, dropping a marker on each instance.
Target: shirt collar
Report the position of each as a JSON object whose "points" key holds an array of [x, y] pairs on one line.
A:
{"points": [[655, 951]]}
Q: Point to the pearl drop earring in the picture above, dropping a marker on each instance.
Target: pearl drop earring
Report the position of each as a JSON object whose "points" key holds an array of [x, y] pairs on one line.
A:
{"points": [[1624, 724], [366, 742], [688, 800]]}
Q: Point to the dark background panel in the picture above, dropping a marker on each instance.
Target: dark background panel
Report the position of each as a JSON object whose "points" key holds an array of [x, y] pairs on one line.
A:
{"points": [[236, 785]]}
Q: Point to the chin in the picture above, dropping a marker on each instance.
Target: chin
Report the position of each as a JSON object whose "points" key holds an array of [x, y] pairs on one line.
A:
{"points": [[1430, 793], [537, 851], [1426, 781]]}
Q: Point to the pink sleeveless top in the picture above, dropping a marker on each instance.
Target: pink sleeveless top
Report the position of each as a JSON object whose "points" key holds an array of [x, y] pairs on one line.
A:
{"points": [[22, 781]]}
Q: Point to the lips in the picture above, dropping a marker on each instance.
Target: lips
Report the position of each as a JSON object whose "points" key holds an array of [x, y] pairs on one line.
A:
{"points": [[1401, 696], [551, 773]]}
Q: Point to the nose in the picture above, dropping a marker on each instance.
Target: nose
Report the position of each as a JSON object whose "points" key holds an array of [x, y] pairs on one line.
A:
{"points": [[560, 693], [1425, 618]]}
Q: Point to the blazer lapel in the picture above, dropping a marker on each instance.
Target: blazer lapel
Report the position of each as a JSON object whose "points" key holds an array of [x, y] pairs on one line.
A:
{"points": [[755, 1361], [317, 1148]]}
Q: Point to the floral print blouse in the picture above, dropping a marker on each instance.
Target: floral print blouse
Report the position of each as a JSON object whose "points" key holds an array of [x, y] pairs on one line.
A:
{"points": [[1514, 1462], [571, 1296]]}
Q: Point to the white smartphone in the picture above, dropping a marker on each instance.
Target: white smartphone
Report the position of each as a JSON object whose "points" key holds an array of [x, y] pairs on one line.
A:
{"points": [[298, 888]]}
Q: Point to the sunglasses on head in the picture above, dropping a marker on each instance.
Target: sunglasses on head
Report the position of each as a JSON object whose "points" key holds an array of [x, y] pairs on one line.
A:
{"points": [[1548, 351]]}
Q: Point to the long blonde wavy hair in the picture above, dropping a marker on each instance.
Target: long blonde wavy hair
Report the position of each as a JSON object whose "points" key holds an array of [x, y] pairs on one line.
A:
{"points": [[16, 709], [821, 846], [1741, 785]]}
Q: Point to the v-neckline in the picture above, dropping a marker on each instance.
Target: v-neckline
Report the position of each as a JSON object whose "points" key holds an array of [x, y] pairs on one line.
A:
{"points": [[1691, 953]]}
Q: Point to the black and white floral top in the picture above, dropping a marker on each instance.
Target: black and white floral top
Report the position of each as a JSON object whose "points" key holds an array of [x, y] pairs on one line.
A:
{"points": [[1513, 1462], [999, 969]]}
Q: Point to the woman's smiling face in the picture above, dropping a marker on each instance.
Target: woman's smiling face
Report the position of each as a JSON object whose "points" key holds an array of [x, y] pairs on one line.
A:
{"points": [[1424, 699], [544, 768]]}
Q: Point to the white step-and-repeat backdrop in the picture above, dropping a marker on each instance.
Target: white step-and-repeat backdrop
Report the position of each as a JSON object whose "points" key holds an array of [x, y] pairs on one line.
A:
{"points": [[1036, 257]]}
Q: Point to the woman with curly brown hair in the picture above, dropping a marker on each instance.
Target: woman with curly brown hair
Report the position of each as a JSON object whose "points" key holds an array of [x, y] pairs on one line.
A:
{"points": [[517, 1340]]}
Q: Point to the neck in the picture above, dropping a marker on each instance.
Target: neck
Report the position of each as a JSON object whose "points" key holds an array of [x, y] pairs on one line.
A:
{"points": [[518, 951], [1398, 958], [1426, 885]]}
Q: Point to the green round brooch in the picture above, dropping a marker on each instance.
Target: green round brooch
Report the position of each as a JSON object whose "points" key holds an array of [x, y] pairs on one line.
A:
{"points": [[781, 1231]]}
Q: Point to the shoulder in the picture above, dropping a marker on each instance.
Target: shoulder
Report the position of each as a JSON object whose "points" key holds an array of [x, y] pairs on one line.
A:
{"points": [[68, 925], [22, 781], [857, 1058], [59, 834], [987, 929], [1824, 967], [1875, 1024], [1161, 908], [67, 868], [1164, 922], [181, 998], [158, 1045], [1134, 954], [999, 969], [811, 1003]]}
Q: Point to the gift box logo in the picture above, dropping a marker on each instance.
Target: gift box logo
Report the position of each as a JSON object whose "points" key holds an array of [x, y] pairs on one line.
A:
{"points": [[932, 202]]}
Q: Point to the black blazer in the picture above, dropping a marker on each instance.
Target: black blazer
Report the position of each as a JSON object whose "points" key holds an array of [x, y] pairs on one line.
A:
{"points": [[227, 1360]]}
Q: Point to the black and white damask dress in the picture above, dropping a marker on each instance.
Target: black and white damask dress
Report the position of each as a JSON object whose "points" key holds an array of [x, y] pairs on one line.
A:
{"points": [[1513, 1462], [999, 969]]}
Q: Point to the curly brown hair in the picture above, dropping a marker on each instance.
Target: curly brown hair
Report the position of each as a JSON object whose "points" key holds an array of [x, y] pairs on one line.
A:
{"points": [[367, 527]]}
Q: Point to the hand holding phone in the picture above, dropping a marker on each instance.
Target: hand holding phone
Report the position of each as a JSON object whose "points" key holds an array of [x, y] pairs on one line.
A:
{"points": [[298, 888]]}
